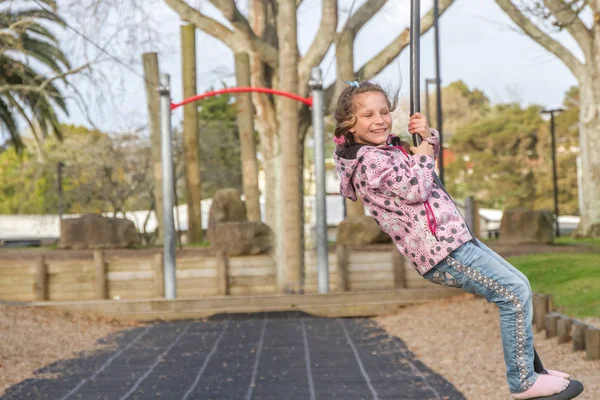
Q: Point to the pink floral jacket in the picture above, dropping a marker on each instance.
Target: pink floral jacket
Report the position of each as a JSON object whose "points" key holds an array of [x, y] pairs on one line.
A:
{"points": [[400, 193]]}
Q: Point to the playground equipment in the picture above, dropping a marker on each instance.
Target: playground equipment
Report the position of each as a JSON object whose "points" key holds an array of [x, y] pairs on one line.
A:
{"points": [[166, 107]]}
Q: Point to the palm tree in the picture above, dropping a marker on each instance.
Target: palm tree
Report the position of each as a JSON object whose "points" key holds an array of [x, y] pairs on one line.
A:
{"points": [[30, 62]]}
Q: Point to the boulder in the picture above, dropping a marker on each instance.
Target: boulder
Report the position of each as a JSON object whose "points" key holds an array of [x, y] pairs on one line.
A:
{"points": [[243, 238], [93, 231], [227, 206], [521, 226], [360, 230]]}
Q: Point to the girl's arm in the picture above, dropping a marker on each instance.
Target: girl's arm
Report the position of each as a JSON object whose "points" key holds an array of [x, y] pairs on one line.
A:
{"points": [[388, 173]]}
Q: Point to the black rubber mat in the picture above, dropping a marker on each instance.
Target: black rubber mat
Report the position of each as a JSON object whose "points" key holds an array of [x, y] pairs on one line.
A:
{"points": [[290, 356]]}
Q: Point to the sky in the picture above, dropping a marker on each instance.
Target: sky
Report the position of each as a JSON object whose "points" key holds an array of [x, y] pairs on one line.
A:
{"points": [[479, 45]]}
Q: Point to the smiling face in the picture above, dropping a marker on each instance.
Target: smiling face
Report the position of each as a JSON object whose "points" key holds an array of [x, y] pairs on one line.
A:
{"points": [[373, 118]]}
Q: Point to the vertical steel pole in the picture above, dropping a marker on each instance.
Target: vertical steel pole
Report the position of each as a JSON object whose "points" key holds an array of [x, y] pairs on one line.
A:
{"points": [[415, 59], [318, 98], [554, 172], [439, 117], [167, 188]]}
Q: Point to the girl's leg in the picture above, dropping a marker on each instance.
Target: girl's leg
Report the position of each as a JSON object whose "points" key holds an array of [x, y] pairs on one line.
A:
{"points": [[475, 271], [537, 363]]}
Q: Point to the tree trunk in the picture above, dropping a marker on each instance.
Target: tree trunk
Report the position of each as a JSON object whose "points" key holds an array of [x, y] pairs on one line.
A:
{"points": [[150, 61], [288, 80], [589, 134], [191, 152], [245, 117]]}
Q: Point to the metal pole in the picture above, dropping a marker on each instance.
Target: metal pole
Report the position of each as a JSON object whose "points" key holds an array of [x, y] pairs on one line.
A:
{"points": [[59, 168], [415, 57], [438, 79], [167, 187], [316, 84], [554, 170], [427, 109]]}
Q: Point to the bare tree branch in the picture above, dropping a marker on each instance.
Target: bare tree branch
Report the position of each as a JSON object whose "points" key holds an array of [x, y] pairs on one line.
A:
{"points": [[385, 57], [569, 19], [321, 43], [542, 38], [201, 21], [363, 15]]}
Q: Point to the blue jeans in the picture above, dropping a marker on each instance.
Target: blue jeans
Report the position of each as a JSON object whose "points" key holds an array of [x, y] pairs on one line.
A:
{"points": [[479, 270]]}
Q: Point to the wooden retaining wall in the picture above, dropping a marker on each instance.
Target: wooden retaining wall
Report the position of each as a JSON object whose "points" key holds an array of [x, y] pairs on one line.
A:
{"points": [[101, 276], [565, 329]]}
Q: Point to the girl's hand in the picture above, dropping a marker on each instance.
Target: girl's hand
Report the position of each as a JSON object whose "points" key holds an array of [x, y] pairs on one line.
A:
{"points": [[417, 124], [424, 149]]}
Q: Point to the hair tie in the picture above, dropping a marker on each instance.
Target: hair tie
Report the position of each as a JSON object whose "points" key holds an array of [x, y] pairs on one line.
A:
{"points": [[339, 140], [353, 83]]}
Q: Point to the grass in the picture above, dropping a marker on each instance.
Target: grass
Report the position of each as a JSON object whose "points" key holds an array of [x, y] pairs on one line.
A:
{"points": [[584, 242], [573, 280]]}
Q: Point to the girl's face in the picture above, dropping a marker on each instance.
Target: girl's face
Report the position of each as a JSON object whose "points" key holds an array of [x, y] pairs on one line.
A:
{"points": [[373, 118]]}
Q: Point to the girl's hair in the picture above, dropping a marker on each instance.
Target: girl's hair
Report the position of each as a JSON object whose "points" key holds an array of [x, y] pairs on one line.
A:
{"points": [[345, 110]]}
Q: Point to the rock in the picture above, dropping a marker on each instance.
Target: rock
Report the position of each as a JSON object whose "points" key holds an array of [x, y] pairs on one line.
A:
{"points": [[243, 238], [360, 230], [520, 226], [227, 206], [93, 231]]}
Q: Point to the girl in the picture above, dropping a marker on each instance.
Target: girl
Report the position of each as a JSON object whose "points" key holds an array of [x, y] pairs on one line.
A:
{"points": [[397, 184]]}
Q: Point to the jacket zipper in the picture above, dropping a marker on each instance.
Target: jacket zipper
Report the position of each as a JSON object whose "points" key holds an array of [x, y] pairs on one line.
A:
{"points": [[431, 221]]}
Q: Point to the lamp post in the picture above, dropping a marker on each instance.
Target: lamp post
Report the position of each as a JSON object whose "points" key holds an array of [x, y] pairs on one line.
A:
{"points": [[427, 105], [554, 172]]}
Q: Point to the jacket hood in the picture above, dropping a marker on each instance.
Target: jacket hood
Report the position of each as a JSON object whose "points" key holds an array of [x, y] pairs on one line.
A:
{"points": [[346, 161]]}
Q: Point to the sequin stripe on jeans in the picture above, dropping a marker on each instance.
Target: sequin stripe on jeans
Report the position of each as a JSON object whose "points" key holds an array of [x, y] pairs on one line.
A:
{"points": [[496, 287]]}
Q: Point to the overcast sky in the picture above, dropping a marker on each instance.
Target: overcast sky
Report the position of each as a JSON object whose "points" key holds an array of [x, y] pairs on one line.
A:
{"points": [[479, 44]]}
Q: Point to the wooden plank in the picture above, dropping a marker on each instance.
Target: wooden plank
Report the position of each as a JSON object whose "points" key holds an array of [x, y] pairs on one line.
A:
{"points": [[592, 344], [370, 258], [357, 304], [8, 265], [159, 282], [78, 287], [564, 326], [131, 285], [17, 280], [60, 267], [222, 273], [540, 309], [197, 283], [41, 279], [551, 324], [126, 266], [21, 288], [20, 270], [369, 267], [377, 285], [197, 292], [260, 261], [244, 291], [579, 336], [100, 278], [357, 277], [130, 276], [197, 263], [312, 268], [249, 281], [398, 269], [22, 296], [70, 278], [252, 271], [72, 296], [342, 264]]}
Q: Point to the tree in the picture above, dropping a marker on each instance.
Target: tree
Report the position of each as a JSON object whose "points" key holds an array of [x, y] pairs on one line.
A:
{"points": [[30, 63], [567, 16], [496, 157]]}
